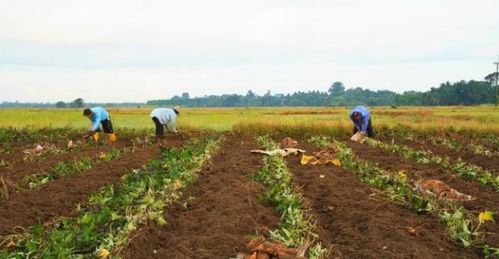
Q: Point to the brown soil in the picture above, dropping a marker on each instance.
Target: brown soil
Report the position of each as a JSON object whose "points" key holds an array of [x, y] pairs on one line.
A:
{"points": [[359, 222], [224, 213], [15, 173], [13, 152], [60, 197], [487, 199], [489, 163], [467, 140]]}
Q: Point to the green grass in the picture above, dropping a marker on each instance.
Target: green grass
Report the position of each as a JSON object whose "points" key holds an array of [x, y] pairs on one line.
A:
{"points": [[477, 118]]}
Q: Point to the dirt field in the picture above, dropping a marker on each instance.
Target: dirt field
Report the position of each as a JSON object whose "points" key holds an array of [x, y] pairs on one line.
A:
{"points": [[216, 215]]}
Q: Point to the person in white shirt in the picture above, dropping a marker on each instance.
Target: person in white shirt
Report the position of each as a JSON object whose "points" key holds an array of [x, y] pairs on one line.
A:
{"points": [[165, 117]]}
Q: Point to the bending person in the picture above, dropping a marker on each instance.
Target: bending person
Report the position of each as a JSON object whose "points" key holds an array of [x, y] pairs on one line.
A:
{"points": [[361, 118], [99, 116], [165, 118]]}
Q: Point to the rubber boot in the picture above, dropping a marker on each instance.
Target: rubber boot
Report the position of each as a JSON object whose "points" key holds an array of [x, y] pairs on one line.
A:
{"points": [[112, 137], [96, 137]]}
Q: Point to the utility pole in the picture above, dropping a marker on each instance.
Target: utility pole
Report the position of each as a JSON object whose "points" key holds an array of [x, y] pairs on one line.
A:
{"points": [[497, 79]]}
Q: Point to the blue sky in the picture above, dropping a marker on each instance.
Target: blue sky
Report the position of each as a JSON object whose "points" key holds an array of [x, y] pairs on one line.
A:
{"points": [[109, 51]]}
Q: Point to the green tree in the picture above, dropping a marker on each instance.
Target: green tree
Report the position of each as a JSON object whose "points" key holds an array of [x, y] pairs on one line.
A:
{"points": [[77, 103], [60, 104], [337, 89]]}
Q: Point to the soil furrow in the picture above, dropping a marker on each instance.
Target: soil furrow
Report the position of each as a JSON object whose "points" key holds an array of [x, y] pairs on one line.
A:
{"points": [[486, 198], [359, 222], [222, 211], [16, 173], [489, 163], [60, 197]]}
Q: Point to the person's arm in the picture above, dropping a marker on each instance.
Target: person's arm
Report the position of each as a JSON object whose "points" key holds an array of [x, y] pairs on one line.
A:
{"points": [[365, 122], [95, 125]]}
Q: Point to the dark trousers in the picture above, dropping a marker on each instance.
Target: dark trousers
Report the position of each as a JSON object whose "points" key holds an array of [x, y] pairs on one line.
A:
{"points": [[369, 130], [160, 130], [107, 126]]}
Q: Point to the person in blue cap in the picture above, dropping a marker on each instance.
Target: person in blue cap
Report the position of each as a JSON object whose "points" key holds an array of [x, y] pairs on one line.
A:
{"points": [[361, 118], [99, 116]]}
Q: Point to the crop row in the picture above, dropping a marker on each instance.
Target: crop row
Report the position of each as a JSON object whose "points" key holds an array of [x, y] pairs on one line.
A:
{"points": [[461, 168], [106, 221], [462, 225], [295, 229], [65, 168]]}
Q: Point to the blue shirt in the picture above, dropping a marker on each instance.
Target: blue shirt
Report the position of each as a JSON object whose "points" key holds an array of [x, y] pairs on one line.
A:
{"points": [[99, 114], [365, 116]]}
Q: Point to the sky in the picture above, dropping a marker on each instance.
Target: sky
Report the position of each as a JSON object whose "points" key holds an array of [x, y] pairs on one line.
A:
{"points": [[121, 50]]}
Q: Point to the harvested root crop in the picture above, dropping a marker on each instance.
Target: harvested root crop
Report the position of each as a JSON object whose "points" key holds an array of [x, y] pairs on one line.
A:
{"points": [[358, 137], [35, 151], [288, 143], [262, 248], [441, 190]]}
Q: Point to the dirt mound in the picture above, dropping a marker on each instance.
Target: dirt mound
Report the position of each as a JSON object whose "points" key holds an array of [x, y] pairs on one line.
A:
{"points": [[222, 211], [490, 163], [360, 223], [20, 169], [60, 197], [486, 198]]}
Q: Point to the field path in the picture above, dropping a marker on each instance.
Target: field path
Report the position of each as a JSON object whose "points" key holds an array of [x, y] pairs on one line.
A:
{"points": [[217, 222], [60, 197], [360, 223], [487, 199]]}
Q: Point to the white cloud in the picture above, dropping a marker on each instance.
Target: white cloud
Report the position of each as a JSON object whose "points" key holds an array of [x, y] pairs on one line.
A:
{"points": [[151, 47]]}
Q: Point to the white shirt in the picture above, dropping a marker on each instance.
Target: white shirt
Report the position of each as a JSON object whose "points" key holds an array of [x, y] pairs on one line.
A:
{"points": [[164, 115]]}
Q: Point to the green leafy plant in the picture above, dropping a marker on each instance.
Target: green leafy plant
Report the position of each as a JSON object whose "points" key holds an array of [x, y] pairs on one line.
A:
{"points": [[113, 213], [461, 168], [65, 168], [296, 224], [461, 224]]}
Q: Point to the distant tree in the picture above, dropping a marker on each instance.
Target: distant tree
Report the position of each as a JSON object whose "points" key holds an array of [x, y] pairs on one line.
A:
{"points": [[60, 104], [337, 89], [77, 103], [186, 96], [491, 78]]}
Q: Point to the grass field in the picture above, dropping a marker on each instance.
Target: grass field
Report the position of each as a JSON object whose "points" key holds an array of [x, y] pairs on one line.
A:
{"points": [[481, 118]]}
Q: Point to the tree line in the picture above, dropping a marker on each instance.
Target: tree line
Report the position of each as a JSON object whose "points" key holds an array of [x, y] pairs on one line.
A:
{"points": [[457, 93]]}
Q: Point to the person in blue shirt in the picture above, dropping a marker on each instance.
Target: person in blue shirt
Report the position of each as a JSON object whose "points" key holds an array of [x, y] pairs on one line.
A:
{"points": [[99, 116], [361, 118]]}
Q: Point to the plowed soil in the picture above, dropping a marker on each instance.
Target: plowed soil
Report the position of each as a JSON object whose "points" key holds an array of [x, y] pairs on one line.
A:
{"points": [[19, 169], [358, 222], [224, 213], [60, 197], [489, 163], [487, 199]]}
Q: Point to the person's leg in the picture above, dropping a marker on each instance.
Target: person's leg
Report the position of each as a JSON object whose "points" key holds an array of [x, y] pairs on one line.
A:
{"points": [[370, 130], [159, 128], [107, 125]]}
